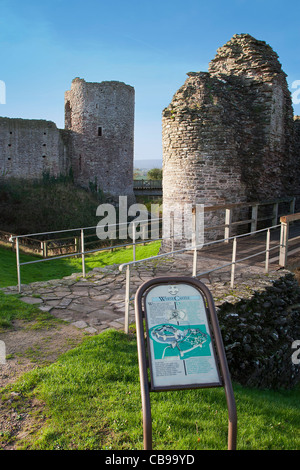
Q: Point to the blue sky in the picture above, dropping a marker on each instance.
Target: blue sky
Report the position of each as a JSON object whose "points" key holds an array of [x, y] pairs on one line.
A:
{"points": [[150, 45]]}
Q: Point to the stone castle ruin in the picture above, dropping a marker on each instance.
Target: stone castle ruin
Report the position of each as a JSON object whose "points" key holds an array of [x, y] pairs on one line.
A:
{"points": [[96, 144], [229, 134]]}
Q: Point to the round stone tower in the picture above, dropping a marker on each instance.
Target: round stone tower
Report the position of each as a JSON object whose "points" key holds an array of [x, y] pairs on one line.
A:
{"points": [[228, 133], [101, 118]]}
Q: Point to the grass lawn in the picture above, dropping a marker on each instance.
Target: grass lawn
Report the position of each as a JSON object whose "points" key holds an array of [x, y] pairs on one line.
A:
{"points": [[11, 308], [92, 401], [56, 269]]}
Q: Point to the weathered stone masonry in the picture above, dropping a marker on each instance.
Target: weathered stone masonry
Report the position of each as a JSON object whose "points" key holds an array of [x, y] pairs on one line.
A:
{"points": [[29, 148], [96, 144], [229, 134], [100, 117]]}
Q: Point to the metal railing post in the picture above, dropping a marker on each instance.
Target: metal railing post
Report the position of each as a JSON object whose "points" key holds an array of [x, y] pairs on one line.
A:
{"points": [[82, 252], [18, 264], [133, 239], [233, 263], [194, 242], [267, 251], [127, 299], [195, 263]]}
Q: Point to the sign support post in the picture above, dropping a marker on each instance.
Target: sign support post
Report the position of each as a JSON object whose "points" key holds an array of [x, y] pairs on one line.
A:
{"points": [[183, 348]]}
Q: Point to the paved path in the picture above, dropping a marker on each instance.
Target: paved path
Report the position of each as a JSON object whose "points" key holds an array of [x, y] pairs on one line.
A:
{"points": [[97, 302]]}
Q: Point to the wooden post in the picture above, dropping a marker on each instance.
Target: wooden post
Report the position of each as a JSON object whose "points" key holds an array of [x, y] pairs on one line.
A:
{"points": [[267, 252], [254, 218], [284, 237], [275, 214], [228, 215], [292, 205], [233, 262], [285, 220]]}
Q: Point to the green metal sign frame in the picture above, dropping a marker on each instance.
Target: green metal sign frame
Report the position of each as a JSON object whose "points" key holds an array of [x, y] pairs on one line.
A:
{"points": [[180, 344]]}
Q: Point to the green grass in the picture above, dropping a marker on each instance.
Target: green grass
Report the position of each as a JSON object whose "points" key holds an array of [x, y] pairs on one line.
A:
{"points": [[11, 308], [90, 397], [92, 401], [56, 269]]}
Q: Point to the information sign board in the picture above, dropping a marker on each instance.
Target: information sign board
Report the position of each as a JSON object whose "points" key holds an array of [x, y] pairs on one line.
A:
{"points": [[184, 344], [179, 338]]}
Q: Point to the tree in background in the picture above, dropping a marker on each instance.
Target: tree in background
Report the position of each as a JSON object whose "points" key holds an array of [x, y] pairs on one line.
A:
{"points": [[154, 174]]}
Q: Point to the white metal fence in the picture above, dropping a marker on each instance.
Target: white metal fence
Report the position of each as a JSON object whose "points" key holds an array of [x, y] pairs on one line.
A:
{"points": [[227, 228], [82, 252], [282, 246]]}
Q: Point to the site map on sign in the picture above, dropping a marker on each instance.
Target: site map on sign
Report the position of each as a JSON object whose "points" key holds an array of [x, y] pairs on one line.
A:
{"points": [[180, 344]]}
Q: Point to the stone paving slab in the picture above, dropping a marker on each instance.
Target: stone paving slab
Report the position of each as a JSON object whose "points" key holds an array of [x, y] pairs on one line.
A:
{"points": [[97, 302]]}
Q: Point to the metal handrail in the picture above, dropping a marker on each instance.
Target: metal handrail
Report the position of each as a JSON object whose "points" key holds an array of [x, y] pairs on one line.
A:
{"points": [[80, 228], [195, 249], [206, 209], [83, 252]]}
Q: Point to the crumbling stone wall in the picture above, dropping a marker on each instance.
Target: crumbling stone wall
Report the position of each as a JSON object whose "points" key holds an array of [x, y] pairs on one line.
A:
{"points": [[254, 72], [100, 117], [97, 142], [29, 148], [228, 135]]}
